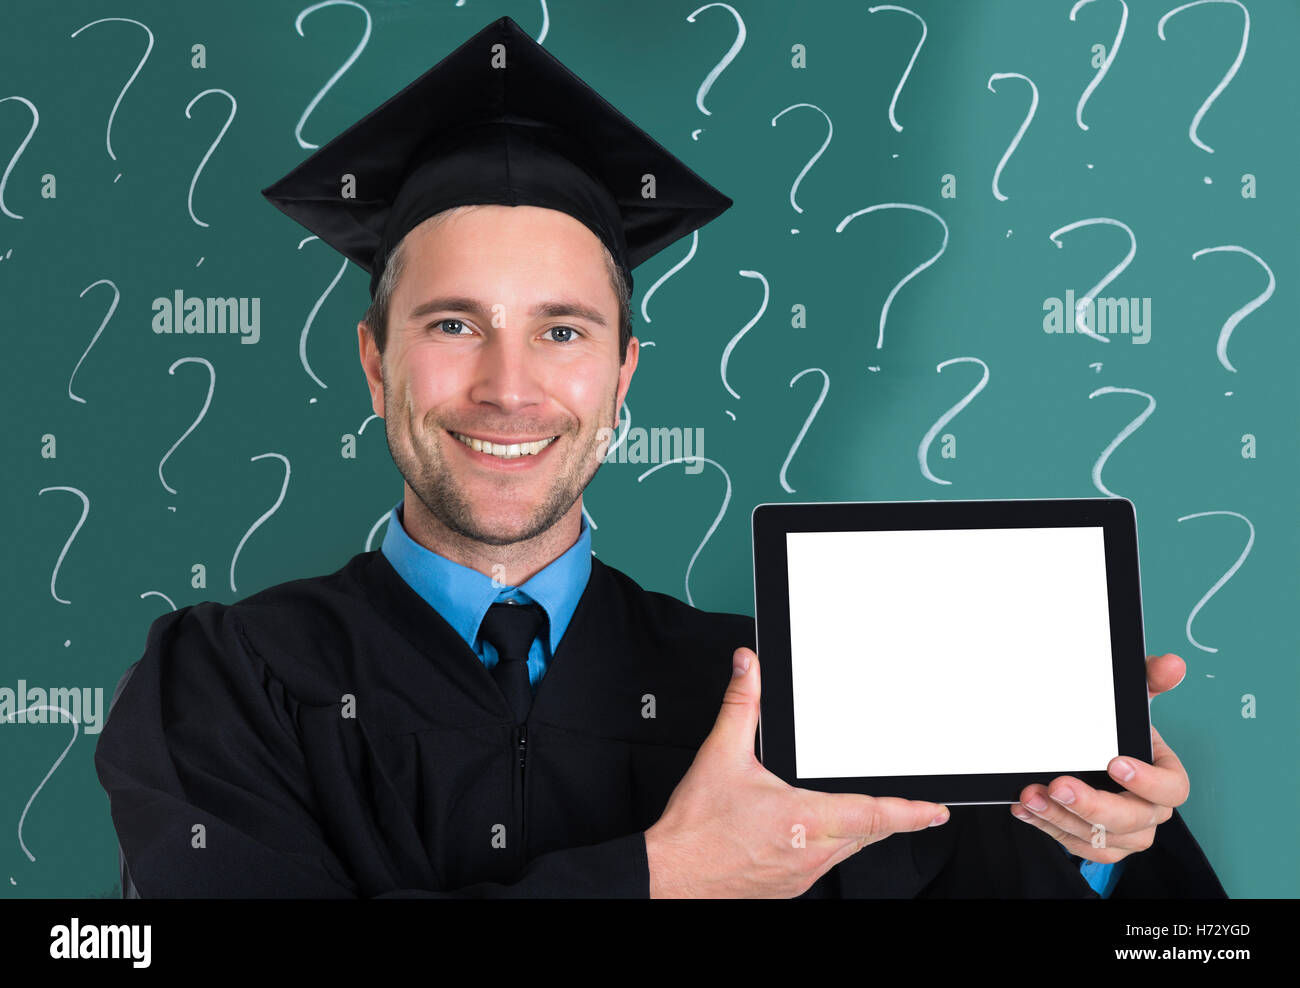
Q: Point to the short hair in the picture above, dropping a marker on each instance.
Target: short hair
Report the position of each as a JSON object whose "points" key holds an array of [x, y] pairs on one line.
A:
{"points": [[376, 317]]}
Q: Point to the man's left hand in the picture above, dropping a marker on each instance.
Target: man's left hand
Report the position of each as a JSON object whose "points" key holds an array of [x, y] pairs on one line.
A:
{"points": [[1071, 812]]}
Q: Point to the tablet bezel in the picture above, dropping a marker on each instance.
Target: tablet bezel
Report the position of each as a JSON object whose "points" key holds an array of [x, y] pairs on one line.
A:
{"points": [[770, 522]]}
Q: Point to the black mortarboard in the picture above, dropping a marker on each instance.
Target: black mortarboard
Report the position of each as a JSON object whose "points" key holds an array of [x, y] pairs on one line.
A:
{"points": [[498, 121]]}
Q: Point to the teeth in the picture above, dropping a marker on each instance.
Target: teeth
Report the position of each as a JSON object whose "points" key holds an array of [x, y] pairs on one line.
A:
{"points": [[505, 452]]}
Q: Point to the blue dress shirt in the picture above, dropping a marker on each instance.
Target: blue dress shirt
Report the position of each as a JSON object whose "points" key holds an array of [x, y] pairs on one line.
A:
{"points": [[463, 595], [1102, 877]]}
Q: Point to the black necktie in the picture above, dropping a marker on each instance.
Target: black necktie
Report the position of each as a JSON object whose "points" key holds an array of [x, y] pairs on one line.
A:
{"points": [[511, 628]]}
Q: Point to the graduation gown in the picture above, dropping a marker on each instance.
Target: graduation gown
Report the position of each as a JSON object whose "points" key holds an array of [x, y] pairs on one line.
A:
{"points": [[335, 737]]}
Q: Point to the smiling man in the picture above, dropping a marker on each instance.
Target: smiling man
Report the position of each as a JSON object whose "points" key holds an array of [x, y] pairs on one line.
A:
{"points": [[498, 392], [483, 708]]}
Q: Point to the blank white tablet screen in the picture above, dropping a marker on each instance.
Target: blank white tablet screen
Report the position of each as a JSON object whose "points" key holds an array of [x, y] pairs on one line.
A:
{"points": [[950, 652]]}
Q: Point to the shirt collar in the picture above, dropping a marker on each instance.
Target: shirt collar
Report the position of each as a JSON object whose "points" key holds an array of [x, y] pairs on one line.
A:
{"points": [[463, 595]]}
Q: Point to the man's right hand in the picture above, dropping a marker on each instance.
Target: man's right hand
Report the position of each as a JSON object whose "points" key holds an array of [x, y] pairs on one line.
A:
{"points": [[733, 829]]}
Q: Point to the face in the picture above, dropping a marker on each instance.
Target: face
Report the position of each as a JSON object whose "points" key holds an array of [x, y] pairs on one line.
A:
{"points": [[504, 328]]}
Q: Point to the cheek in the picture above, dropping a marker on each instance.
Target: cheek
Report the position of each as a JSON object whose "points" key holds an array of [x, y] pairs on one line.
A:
{"points": [[586, 391], [427, 382]]}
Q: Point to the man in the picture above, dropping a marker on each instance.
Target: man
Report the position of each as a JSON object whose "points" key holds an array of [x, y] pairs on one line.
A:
{"points": [[483, 708]]}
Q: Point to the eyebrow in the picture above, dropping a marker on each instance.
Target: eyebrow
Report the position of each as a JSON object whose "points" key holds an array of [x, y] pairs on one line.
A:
{"points": [[549, 309]]}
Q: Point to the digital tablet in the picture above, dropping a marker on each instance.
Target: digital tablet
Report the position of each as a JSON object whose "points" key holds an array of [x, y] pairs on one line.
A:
{"points": [[950, 651]]}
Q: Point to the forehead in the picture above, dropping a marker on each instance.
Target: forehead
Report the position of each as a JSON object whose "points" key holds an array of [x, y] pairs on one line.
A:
{"points": [[501, 251]]}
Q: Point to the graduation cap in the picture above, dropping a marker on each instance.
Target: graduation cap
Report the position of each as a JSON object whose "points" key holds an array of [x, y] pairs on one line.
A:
{"points": [[498, 121]]}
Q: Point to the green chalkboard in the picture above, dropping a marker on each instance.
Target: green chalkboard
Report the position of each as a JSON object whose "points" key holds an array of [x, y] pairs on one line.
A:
{"points": [[922, 193]]}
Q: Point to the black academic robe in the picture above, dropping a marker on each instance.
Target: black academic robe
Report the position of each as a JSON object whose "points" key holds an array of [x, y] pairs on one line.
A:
{"points": [[335, 737]]}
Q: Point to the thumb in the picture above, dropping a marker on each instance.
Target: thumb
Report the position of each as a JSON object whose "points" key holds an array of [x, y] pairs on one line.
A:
{"points": [[734, 730], [1164, 672]]}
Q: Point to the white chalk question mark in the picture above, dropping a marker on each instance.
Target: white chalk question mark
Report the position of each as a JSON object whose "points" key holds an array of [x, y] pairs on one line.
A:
{"points": [[923, 451], [731, 344], [1081, 306], [212, 383], [1223, 83], [374, 530], [1124, 433], [1250, 541], [830, 130], [57, 762], [726, 499], [108, 132], [826, 386], [884, 310], [107, 316], [1105, 63], [311, 316], [13, 159], [1024, 125], [234, 106], [1225, 333], [893, 121], [625, 414], [297, 23], [284, 486], [645, 299], [726, 59], [85, 510]]}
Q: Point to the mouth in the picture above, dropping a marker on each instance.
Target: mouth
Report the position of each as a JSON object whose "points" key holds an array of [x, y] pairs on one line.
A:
{"points": [[504, 451]]}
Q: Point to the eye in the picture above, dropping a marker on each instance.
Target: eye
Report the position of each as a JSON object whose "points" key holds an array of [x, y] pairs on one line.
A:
{"points": [[564, 329], [444, 322]]}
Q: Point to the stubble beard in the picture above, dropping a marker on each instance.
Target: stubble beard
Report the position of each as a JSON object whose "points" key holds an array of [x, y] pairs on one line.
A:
{"points": [[426, 472]]}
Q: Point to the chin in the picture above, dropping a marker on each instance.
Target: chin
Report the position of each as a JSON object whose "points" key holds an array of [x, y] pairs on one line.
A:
{"points": [[503, 529]]}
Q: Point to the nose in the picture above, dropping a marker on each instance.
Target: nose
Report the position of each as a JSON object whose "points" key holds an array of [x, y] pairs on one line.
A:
{"points": [[506, 374]]}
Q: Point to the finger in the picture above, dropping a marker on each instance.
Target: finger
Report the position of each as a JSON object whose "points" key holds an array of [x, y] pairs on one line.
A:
{"points": [[1164, 672], [1036, 807], [1164, 782], [1077, 834], [1115, 813], [1107, 854], [736, 725], [852, 816]]}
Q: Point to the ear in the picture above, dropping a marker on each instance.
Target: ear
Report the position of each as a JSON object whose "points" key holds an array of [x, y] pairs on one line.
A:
{"points": [[372, 362], [625, 375]]}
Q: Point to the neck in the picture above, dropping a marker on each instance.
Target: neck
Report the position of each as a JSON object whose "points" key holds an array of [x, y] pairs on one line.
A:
{"points": [[510, 565]]}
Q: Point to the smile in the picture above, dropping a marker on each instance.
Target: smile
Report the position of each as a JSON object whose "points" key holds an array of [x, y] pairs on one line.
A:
{"points": [[506, 452]]}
